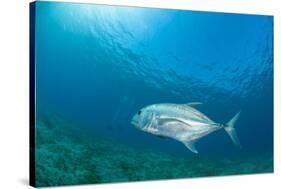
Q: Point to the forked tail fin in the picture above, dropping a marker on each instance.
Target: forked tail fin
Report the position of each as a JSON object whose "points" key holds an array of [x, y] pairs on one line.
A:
{"points": [[229, 128]]}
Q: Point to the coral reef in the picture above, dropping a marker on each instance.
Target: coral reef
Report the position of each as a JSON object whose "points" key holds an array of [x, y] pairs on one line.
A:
{"points": [[64, 157]]}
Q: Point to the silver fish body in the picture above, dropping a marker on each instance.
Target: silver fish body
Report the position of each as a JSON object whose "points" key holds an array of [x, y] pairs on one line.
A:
{"points": [[181, 122]]}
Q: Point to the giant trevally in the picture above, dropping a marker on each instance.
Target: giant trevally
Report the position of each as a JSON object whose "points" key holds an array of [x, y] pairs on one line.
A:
{"points": [[181, 122]]}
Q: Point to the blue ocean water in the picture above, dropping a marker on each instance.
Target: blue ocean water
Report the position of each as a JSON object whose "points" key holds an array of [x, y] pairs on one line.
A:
{"points": [[97, 65]]}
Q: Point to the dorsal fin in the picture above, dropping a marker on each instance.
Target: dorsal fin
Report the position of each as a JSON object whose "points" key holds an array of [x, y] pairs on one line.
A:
{"points": [[194, 103]]}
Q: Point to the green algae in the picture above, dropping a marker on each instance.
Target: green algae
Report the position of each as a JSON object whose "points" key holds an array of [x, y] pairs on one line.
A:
{"points": [[65, 158]]}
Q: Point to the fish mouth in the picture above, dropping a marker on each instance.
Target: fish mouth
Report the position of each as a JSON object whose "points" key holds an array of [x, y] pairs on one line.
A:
{"points": [[134, 121]]}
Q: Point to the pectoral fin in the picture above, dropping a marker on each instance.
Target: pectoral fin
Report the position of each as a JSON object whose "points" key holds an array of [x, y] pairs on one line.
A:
{"points": [[170, 121], [191, 146]]}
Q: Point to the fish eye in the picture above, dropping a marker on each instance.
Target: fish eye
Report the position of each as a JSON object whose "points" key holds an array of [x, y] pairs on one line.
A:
{"points": [[139, 112]]}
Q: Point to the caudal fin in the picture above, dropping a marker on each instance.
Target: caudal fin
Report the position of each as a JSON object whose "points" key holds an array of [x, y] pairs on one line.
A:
{"points": [[229, 128]]}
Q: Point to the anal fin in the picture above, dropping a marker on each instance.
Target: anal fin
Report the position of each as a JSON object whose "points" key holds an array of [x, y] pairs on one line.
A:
{"points": [[191, 146]]}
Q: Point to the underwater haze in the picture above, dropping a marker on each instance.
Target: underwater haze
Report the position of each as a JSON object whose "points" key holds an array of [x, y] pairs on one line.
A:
{"points": [[97, 65]]}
